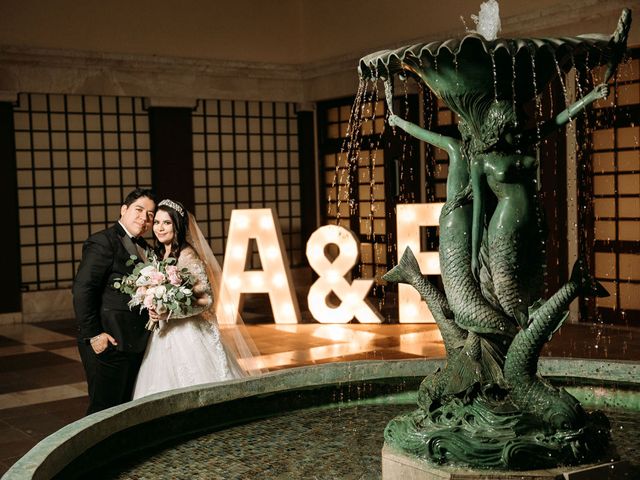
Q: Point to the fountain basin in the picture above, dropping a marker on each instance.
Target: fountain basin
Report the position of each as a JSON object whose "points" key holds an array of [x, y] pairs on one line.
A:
{"points": [[107, 438]]}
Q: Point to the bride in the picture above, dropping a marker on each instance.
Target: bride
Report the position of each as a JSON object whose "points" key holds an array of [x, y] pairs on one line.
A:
{"points": [[190, 350]]}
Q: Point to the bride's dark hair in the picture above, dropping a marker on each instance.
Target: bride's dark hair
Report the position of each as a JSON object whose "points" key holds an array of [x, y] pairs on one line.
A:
{"points": [[178, 216]]}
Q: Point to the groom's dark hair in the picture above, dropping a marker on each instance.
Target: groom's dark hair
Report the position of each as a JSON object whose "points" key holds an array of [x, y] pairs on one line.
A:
{"points": [[139, 193]]}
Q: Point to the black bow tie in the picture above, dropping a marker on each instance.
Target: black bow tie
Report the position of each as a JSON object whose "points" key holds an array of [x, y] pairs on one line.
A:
{"points": [[139, 241]]}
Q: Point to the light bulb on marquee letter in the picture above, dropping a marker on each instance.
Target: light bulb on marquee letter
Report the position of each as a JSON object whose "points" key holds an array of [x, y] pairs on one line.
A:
{"points": [[410, 217], [353, 301], [262, 225]]}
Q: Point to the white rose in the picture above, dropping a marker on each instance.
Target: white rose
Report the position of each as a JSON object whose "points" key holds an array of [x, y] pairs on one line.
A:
{"points": [[147, 271], [160, 291]]}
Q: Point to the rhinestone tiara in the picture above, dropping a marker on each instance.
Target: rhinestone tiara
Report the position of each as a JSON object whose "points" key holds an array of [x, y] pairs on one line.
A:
{"points": [[172, 204]]}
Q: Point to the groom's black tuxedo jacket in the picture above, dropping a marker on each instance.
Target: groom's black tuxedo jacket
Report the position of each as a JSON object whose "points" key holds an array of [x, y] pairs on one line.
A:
{"points": [[98, 305]]}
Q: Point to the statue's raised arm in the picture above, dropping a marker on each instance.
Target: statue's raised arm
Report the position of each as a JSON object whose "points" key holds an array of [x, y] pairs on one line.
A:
{"points": [[449, 144], [458, 176], [617, 46], [599, 92]]}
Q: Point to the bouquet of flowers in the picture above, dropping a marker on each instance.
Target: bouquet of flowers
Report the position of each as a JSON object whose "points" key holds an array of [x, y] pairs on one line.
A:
{"points": [[158, 285]]}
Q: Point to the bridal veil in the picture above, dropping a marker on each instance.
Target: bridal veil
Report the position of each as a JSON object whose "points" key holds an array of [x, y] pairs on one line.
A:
{"points": [[234, 335]]}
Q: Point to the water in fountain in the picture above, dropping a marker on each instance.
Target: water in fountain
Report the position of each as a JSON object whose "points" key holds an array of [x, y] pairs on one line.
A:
{"points": [[359, 176], [339, 440], [406, 153], [488, 20], [350, 144], [495, 75]]}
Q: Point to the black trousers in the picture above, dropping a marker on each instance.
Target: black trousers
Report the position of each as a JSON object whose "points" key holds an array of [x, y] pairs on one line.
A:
{"points": [[111, 375]]}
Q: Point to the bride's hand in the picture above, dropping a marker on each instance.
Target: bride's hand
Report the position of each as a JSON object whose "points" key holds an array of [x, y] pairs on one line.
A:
{"points": [[203, 300], [156, 317]]}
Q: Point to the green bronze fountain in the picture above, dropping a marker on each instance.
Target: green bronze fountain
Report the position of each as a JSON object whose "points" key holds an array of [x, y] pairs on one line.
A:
{"points": [[488, 408]]}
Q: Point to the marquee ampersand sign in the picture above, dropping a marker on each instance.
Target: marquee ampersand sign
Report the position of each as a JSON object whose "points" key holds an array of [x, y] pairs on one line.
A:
{"points": [[353, 301]]}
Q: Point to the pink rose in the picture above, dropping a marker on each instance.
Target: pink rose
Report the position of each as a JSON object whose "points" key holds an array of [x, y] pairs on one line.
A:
{"points": [[138, 297], [148, 300], [173, 274], [157, 278]]}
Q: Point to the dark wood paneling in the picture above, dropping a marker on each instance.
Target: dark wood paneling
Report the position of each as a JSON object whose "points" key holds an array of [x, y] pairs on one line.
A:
{"points": [[10, 300], [171, 149], [308, 175]]}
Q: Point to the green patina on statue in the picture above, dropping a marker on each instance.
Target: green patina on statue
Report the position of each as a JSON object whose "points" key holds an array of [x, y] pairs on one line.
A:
{"points": [[488, 408]]}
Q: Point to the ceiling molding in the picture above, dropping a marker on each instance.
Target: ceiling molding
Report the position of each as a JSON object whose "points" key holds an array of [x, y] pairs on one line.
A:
{"points": [[24, 69], [75, 71], [148, 63]]}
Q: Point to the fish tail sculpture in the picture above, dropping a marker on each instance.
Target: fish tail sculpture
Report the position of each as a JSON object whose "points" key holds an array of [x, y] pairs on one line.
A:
{"points": [[470, 358], [529, 391], [408, 272]]}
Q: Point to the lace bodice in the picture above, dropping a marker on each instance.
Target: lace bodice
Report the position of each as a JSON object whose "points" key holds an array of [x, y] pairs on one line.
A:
{"points": [[202, 296]]}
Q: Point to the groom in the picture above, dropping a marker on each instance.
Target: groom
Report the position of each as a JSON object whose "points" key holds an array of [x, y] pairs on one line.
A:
{"points": [[111, 337]]}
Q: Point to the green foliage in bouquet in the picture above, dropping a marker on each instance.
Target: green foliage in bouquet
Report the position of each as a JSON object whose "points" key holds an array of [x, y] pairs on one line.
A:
{"points": [[158, 285]]}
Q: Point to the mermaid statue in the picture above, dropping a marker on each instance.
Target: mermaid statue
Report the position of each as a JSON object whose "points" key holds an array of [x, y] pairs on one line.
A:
{"points": [[488, 407]]}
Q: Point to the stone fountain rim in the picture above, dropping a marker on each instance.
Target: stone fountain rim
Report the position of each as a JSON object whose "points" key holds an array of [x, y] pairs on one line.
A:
{"points": [[52, 454]]}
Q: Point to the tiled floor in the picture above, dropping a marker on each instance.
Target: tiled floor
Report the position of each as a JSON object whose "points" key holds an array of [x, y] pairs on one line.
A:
{"points": [[42, 384]]}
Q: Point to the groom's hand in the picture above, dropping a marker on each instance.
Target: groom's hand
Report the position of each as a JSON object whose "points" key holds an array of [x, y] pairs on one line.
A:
{"points": [[99, 343]]}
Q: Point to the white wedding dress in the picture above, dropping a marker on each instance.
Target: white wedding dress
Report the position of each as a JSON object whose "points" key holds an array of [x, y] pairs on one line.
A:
{"points": [[186, 351]]}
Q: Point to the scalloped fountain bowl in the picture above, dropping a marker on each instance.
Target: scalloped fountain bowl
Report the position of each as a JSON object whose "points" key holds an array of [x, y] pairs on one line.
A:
{"points": [[504, 69], [473, 63]]}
